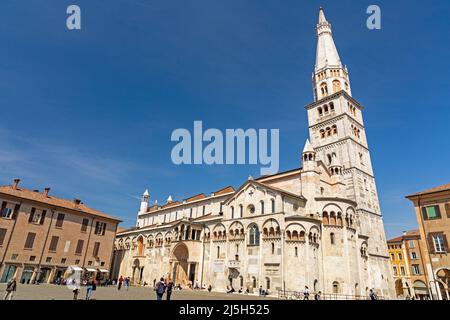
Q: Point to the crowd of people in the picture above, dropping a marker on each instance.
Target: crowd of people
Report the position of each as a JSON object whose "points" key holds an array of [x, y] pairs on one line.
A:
{"points": [[164, 286]]}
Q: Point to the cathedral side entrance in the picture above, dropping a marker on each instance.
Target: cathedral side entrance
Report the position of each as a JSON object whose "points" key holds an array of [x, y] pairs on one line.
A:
{"points": [[182, 270]]}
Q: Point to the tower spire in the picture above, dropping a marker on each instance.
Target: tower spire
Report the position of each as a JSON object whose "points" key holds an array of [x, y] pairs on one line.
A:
{"points": [[330, 75], [327, 54]]}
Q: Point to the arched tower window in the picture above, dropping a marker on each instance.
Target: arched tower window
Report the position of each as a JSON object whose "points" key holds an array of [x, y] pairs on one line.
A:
{"points": [[332, 238], [254, 236], [324, 89], [336, 86]]}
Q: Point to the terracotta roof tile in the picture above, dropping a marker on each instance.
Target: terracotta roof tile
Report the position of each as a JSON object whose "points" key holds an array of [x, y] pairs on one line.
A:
{"points": [[196, 197], [224, 191], [432, 190], [51, 200]]}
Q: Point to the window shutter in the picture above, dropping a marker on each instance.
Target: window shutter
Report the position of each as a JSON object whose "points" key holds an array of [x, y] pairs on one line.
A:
{"points": [[431, 243], [424, 213], [445, 243], [16, 211], [2, 235], [438, 211], [30, 218], [44, 212]]}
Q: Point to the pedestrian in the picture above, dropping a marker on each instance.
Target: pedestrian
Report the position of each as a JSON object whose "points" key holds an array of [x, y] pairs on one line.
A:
{"points": [[317, 296], [260, 290], [120, 281], [372, 295], [160, 289], [76, 290], [91, 287], [127, 283], [306, 293], [209, 288], [10, 289], [169, 290]]}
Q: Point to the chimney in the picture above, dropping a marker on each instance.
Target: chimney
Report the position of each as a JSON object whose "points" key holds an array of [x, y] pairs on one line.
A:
{"points": [[15, 183], [46, 191], [76, 201]]}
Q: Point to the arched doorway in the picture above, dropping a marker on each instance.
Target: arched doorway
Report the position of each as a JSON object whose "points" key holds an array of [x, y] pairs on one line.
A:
{"points": [[443, 280], [179, 257], [420, 290], [398, 287]]}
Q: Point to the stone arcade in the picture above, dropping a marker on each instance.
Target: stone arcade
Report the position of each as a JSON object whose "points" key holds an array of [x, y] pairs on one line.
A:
{"points": [[318, 226]]}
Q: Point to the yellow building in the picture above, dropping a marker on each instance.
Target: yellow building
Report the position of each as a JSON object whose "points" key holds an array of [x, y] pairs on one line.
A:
{"points": [[408, 268]]}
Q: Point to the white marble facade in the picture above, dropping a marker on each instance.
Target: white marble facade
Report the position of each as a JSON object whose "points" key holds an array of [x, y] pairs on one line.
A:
{"points": [[318, 226]]}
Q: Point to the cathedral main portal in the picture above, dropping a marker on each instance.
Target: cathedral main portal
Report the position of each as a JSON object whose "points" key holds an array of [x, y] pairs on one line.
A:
{"points": [[182, 271]]}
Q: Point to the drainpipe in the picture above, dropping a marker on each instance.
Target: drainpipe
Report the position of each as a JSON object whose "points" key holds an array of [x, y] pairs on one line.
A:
{"points": [[203, 255]]}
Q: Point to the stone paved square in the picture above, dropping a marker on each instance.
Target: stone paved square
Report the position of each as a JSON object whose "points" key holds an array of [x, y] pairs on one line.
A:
{"points": [[54, 292]]}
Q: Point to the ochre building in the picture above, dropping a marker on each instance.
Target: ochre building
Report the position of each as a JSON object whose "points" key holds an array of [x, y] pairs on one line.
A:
{"points": [[42, 235]]}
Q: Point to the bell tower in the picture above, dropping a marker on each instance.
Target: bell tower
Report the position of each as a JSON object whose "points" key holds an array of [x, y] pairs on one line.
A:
{"points": [[338, 136]]}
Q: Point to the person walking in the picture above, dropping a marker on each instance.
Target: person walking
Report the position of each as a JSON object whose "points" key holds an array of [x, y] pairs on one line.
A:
{"points": [[306, 293], [92, 286], [160, 289], [10, 289], [317, 296], [127, 283], [169, 290], [372, 295], [120, 281]]}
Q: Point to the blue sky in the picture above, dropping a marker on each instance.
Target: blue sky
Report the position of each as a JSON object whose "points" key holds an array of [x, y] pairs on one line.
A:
{"points": [[90, 113]]}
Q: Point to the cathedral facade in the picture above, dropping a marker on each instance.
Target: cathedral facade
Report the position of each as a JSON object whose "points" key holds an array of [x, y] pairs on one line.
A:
{"points": [[318, 226]]}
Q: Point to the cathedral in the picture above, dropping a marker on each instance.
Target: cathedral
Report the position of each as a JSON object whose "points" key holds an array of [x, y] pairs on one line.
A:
{"points": [[318, 226]]}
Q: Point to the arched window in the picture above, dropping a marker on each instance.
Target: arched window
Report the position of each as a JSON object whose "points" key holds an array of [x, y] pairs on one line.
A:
{"points": [[332, 218], [254, 282], [325, 108], [241, 210], [267, 283], [335, 287], [273, 248], [322, 133], [241, 281], [334, 129], [324, 89], [336, 86], [331, 106], [332, 238], [232, 212], [218, 252], [328, 131], [325, 218], [447, 209], [254, 236], [296, 251], [320, 111], [273, 205], [262, 207]]}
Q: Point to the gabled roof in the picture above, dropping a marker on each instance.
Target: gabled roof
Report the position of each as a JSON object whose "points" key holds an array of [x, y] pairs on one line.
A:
{"points": [[443, 187], [407, 235], [52, 201], [266, 186]]}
